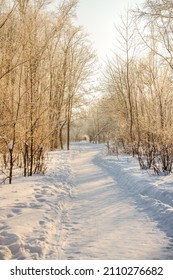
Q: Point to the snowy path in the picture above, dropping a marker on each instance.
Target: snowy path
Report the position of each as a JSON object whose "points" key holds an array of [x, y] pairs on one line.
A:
{"points": [[103, 222]]}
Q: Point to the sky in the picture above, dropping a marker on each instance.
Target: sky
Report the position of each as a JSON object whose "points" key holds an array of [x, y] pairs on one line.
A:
{"points": [[99, 17]]}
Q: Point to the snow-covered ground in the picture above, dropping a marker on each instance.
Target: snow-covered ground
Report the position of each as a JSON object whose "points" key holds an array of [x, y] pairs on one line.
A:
{"points": [[33, 210], [88, 205]]}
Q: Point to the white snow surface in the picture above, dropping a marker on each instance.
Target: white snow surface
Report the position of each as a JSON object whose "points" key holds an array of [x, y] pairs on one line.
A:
{"points": [[88, 205]]}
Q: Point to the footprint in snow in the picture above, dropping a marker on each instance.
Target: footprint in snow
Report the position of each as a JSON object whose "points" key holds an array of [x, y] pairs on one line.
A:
{"points": [[5, 253], [8, 239], [10, 216], [41, 223], [34, 205], [41, 199], [45, 187], [3, 227], [38, 196], [16, 211]]}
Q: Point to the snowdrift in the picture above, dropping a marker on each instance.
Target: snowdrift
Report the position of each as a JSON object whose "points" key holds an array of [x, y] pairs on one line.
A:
{"points": [[151, 193]]}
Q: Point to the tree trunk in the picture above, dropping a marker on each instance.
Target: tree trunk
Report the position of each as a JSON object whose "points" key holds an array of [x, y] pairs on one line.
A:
{"points": [[25, 158], [11, 166], [68, 134]]}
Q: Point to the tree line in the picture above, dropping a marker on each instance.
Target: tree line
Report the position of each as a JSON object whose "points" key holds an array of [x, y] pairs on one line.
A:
{"points": [[46, 62], [135, 113]]}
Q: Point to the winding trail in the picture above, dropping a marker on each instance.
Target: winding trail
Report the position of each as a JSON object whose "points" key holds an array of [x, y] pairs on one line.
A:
{"points": [[102, 222]]}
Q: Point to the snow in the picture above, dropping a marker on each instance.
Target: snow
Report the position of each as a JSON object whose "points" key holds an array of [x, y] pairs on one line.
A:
{"points": [[88, 205], [32, 210]]}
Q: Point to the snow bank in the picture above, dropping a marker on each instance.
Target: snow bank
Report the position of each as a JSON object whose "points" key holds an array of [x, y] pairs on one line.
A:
{"points": [[151, 193], [32, 211]]}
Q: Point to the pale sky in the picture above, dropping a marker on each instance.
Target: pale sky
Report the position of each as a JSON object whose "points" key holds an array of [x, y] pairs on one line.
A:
{"points": [[99, 17]]}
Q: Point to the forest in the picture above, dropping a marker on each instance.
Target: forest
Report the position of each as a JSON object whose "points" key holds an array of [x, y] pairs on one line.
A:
{"points": [[47, 70], [45, 66]]}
